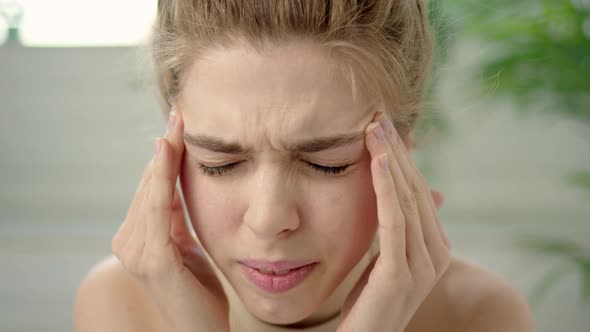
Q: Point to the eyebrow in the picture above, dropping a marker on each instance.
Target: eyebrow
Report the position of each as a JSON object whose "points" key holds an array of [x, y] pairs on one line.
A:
{"points": [[217, 144]]}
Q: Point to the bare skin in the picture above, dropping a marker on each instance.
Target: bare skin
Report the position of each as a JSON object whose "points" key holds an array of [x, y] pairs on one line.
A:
{"points": [[273, 203], [465, 296], [109, 299]]}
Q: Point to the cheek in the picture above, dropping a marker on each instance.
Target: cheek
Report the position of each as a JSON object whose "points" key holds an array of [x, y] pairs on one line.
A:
{"points": [[209, 206], [347, 210]]}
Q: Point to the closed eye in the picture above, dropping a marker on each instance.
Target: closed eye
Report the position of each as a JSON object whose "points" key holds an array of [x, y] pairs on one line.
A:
{"points": [[220, 170], [330, 170]]}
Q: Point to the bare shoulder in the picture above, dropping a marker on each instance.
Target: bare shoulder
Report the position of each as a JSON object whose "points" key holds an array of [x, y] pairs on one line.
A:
{"points": [[108, 299], [470, 297]]}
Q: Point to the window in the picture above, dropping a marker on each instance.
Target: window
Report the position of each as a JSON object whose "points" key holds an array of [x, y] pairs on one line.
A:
{"points": [[74, 23]]}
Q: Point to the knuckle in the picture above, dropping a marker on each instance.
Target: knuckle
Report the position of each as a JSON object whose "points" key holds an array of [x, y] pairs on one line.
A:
{"points": [[416, 187], [159, 204], [397, 224], [407, 201], [412, 213]]}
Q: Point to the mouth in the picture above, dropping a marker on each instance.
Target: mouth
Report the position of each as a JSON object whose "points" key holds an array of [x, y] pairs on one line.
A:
{"points": [[277, 280]]}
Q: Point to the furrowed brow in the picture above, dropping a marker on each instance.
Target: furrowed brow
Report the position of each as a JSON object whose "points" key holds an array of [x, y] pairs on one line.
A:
{"points": [[216, 144], [325, 143]]}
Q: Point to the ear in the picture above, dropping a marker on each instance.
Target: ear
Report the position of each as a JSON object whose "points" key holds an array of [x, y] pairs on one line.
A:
{"points": [[438, 198]]}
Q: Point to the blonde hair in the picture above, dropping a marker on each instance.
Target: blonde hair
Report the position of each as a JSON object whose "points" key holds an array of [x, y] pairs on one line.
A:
{"points": [[384, 46]]}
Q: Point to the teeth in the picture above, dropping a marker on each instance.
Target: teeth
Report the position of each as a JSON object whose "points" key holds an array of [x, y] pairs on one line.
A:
{"points": [[282, 272]]}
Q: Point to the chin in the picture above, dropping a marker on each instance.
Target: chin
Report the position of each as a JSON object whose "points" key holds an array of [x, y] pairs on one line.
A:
{"points": [[283, 309], [274, 313]]}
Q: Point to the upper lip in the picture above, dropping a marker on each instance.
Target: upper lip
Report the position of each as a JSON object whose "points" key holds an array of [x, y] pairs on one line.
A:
{"points": [[275, 265]]}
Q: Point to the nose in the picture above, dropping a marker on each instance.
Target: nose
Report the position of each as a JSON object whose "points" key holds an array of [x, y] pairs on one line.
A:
{"points": [[272, 210]]}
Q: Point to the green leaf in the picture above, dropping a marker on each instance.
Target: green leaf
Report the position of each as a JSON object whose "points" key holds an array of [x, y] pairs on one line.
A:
{"points": [[545, 283], [549, 246], [537, 49], [580, 179]]}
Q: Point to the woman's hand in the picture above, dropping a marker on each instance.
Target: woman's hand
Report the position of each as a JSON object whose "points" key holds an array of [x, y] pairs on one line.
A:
{"points": [[156, 247], [414, 249]]}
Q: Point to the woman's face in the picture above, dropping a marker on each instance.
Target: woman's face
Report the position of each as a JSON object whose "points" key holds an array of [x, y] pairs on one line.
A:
{"points": [[272, 118]]}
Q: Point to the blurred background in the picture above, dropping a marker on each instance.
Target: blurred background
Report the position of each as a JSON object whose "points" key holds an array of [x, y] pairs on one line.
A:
{"points": [[506, 138]]}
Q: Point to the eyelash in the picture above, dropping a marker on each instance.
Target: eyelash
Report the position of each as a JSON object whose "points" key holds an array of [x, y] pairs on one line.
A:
{"points": [[220, 170]]}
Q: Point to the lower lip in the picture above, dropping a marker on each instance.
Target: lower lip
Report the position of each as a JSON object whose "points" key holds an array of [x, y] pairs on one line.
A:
{"points": [[277, 283]]}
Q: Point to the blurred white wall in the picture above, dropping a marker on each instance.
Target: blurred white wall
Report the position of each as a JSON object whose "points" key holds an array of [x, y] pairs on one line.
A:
{"points": [[76, 128]]}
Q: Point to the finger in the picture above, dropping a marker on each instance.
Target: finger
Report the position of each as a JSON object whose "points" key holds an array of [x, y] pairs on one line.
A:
{"points": [[180, 231], [437, 196], [132, 251], [166, 168], [418, 185], [441, 229], [142, 189], [128, 225], [174, 134], [159, 201], [439, 200], [356, 291], [417, 253], [393, 224]]}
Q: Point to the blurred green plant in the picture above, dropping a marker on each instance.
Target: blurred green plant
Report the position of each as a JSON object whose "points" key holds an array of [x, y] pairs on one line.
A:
{"points": [[433, 125], [539, 57], [573, 256], [539, 52]]}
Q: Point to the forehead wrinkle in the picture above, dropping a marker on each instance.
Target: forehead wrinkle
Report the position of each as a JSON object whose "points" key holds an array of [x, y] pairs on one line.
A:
{"points": [[324, 143], [312, 145], [291, 94]]}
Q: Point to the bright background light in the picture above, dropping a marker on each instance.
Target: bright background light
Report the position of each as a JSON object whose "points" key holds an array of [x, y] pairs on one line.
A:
{"points": [[66, 23]]}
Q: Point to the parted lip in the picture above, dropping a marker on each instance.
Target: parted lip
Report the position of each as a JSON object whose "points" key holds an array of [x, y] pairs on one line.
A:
{"points": [[275, 265]]}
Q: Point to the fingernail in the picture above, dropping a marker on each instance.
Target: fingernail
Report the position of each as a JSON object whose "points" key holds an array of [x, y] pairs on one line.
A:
{"points": [[378, 116], [157, 146], [171, 120], [378, 132]]}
